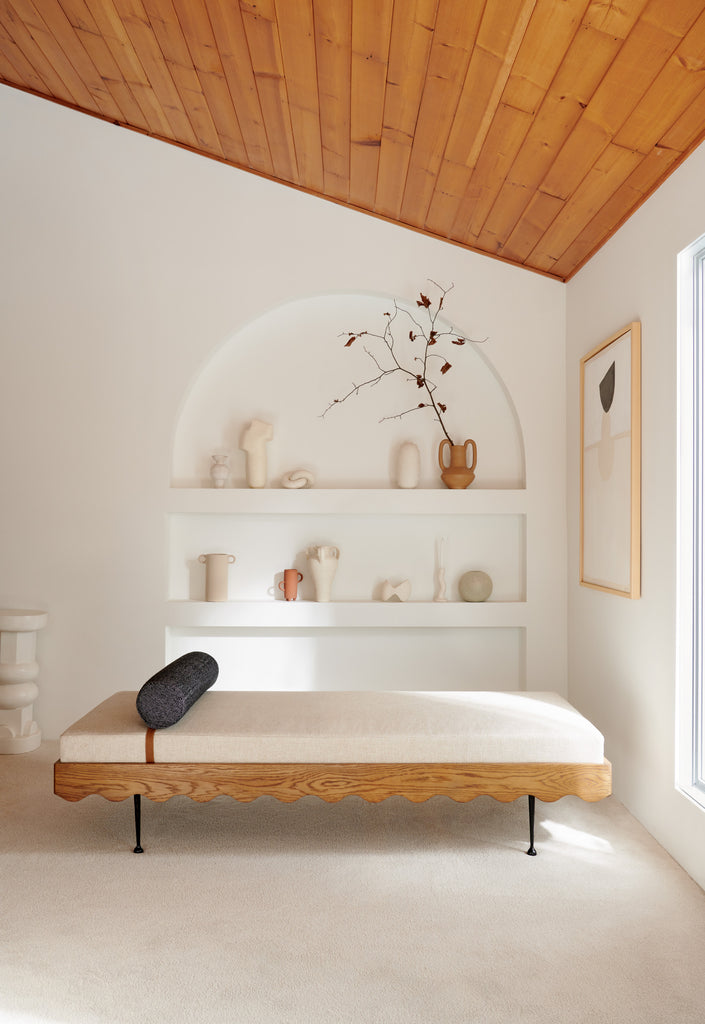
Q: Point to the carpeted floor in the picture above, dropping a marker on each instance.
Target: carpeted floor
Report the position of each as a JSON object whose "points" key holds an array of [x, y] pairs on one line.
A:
{"points": [[310, 913]]}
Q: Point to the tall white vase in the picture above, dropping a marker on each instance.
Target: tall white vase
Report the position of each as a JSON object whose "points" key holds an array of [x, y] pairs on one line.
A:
{"points": [[323, 562], [408, 465], [254, 444]]}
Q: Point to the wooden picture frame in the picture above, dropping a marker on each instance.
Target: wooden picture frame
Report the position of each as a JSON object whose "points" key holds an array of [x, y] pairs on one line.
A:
{"points": [[610, 464]]}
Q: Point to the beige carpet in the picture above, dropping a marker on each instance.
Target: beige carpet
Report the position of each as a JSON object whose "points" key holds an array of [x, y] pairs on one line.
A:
{"points": [[310, 913]]}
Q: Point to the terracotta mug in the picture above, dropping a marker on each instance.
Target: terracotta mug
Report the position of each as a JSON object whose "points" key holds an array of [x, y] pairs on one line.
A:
{"points": [[292, 578]]}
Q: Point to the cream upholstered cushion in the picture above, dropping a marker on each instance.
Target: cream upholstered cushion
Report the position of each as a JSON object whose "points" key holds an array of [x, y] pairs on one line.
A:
{"points": [[344, 727]]}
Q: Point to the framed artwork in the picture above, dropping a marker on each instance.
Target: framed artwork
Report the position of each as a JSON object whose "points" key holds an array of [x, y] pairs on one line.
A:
{"points": [[610, 464]]}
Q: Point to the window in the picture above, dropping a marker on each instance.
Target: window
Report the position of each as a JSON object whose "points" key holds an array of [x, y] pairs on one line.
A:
{"points": [[691, 543]]}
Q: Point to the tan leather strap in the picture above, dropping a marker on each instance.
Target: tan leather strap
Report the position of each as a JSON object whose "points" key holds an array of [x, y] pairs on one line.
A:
{"points": [[149, 746]]}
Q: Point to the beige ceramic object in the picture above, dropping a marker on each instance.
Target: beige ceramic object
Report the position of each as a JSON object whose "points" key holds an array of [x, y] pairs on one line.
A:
{"points": [[217, 575], [475, 585], [254, 444], [323, 563], [19, 733], [408, 465]]}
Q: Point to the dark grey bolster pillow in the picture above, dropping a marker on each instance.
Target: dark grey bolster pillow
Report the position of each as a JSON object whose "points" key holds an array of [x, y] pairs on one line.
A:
{"points": [[167, 696]]}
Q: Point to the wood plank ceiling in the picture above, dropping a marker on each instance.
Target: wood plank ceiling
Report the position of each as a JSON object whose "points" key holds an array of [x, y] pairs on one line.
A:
{"points": [[525, 129]]}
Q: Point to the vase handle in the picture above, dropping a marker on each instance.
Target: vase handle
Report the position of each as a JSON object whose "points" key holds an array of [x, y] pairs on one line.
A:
{"points": [[474, 452], [442, 445]]}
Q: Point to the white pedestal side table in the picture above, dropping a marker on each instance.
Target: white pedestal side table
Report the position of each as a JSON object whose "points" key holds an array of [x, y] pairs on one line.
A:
{"points": [[19, 733]]}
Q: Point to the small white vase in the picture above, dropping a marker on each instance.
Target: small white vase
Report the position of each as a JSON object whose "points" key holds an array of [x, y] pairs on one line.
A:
{"points": [[323, 562], [408, 465], [219, 470]]}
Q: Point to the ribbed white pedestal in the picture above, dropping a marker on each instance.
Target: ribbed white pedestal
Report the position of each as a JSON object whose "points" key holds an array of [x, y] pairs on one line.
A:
{"points": [[19, 733]]}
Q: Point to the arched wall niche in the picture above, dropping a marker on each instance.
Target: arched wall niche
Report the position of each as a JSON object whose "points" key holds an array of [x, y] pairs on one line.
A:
{"points": [[287, 367]]}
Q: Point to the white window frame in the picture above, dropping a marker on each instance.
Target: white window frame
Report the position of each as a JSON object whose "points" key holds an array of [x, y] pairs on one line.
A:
{"points": [[690, 745]]}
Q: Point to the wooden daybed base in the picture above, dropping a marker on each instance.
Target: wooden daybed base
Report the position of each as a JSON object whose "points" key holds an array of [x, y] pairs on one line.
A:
{"points": [[333, 782], [372, 781]]}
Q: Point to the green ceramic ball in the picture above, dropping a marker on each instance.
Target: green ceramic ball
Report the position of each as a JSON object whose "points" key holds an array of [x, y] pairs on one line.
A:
{"points": [[475, 585]]}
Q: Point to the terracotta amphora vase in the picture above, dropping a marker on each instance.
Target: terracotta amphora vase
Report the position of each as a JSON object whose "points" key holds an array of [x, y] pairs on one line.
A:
{"points": [[457, 474], [289, 585]]}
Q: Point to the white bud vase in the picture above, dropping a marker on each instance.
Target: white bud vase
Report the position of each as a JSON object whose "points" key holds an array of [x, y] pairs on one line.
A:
{"points": [[219, 470], [408, 465], [323, 562]]}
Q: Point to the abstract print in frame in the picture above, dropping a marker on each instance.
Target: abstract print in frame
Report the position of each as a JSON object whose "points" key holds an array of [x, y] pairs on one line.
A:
{"points": [[610, 464]]}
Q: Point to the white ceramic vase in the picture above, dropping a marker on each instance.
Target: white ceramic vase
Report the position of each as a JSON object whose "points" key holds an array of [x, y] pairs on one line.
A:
{"points": [[323, 563], [219, 470], [408, 465]]}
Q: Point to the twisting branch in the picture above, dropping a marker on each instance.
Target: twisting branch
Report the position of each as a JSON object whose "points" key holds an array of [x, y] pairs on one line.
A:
{"points": [[429, 336]]}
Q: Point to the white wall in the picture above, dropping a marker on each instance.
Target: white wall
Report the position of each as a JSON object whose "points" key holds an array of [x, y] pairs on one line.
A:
{"points": [[125, 265], [622, 653]]}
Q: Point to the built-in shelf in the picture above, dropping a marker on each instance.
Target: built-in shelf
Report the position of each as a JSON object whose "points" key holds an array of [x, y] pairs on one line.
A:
{"points": [[344, 614], [343, 501]]}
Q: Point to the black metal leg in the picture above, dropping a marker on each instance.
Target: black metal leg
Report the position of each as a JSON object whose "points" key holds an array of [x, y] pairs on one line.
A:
{"points": [[138, 818], [532, 807]]}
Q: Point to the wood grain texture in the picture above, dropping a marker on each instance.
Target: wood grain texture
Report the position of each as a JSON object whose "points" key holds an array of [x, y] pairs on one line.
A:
{"points": [[529, 130], [333, 782]]}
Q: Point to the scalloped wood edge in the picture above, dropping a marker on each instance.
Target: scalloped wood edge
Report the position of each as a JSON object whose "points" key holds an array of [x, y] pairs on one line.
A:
{"points": [[332, 782]]}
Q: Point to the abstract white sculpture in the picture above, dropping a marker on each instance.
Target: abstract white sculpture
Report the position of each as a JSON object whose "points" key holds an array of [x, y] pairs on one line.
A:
{"points": [[298, 478], [323, 562], [441, 571], [253, 442], [19, 733], [401, 592]]}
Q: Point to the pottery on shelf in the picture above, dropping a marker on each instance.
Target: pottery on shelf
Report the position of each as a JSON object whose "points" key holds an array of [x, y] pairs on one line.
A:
{"points": [[408, 465], [219, 469], [400, 592], [289, 585], [457, 474], [323, 562], [254, 444], [217, 575], [297, 479], [475, 585]]}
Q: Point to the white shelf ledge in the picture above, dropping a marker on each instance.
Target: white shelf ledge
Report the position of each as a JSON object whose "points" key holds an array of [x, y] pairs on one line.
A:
{"points": [[344, 614], [343, 501]]}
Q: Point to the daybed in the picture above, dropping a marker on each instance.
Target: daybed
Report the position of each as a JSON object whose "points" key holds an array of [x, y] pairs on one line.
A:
{"points": [[336, 744]]}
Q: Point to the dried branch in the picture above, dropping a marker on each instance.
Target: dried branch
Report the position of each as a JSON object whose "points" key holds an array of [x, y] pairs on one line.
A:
{"points": [[429, 337]]}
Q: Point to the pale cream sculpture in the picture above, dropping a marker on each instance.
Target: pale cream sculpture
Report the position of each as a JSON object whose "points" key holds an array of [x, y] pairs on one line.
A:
{"points": [[400, 592], [19, 733], [297, 479], [323, 562], [254, 444]]}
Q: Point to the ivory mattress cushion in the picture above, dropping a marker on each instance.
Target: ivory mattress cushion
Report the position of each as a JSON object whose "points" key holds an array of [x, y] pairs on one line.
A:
{"points": [[230, 726]]}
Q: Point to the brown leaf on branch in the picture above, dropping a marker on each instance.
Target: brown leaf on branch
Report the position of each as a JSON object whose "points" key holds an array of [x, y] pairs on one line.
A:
{"points": [[442, 407], [421, 405], [458, 341], [350, 340], [419, 381], [412, 336], [446, 367], [425, 301]]}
